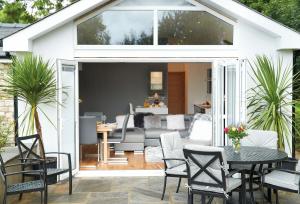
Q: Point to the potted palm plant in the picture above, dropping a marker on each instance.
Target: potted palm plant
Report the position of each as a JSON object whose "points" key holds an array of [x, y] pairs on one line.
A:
{"points": [[271, 99], [32, 80]]}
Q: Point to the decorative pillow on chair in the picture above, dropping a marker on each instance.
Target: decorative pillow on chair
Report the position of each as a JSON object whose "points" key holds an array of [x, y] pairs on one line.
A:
{"points": [[152, 122], [175, 122], [120, 120]]}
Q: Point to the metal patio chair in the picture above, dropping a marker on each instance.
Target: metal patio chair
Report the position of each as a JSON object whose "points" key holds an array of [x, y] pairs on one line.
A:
{"points": [[172, 149], [283, 178], [38, 185], [208, 174], [27, 153]]}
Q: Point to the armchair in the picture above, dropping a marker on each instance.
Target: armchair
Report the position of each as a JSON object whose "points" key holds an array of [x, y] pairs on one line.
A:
{"points": [[172, 149], [282, 178], [29, 154], [40, 184]]}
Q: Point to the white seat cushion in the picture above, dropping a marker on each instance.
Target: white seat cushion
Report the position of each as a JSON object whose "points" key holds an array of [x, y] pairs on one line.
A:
{"points": [[231, 184], [178, 170], [283, 179]]}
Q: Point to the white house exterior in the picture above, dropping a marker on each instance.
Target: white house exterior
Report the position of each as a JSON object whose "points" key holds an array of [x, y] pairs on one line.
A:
{"points": [[55, 38]]}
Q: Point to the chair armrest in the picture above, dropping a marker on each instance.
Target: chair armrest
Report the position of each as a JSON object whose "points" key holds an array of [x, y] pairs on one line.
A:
{"points": [[231, 173], [66, 154], [24, 172], [169, 159], [58, 153], [289, 171]]}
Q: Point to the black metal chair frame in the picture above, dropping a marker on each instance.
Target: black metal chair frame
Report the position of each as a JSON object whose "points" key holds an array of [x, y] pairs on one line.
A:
{"points": [[170, 175], [28, 154], [278, 188], [203, 169], [42, 177]]}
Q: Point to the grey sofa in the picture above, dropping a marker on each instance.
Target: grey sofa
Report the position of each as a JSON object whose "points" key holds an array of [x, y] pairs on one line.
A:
{"points": [[138, 138], [152, 135]]}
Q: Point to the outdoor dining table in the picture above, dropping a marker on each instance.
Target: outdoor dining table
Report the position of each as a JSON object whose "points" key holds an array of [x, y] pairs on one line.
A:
{"points": [[252, 156]]}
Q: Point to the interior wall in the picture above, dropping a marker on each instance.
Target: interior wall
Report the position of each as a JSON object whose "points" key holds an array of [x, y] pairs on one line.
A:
{"points": [[110, 87], [196, 82]]}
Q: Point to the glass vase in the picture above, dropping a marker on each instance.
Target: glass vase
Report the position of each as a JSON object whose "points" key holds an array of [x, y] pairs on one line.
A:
{"points": [[236, 143]]}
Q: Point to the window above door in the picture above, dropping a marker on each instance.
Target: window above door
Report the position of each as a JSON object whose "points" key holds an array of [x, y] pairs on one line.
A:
{"points": [[156, 23]]}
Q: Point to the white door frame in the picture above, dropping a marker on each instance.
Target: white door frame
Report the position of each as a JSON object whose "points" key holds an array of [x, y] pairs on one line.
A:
{"points": [[163, 60], [59, 64]]}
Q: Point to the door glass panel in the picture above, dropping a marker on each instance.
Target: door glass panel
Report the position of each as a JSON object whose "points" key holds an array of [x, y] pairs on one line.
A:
{"points": [[193, 28], [231, 94], [154, 3], [117, 28], [68, 137]]}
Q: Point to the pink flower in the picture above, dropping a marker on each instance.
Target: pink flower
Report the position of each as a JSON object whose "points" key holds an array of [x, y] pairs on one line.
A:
{"points": [[226, 130]]}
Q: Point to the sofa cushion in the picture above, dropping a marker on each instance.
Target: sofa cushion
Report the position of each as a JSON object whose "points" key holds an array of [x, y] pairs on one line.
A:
{"points": [[175, 122], [155, 132], [152, 122]]}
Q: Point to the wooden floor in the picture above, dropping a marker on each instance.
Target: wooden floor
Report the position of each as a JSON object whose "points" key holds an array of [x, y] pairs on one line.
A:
{"points": [[135, 162]]}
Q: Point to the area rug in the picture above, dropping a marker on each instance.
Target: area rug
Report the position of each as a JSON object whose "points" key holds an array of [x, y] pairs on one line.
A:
{"points": [[153, 154]]}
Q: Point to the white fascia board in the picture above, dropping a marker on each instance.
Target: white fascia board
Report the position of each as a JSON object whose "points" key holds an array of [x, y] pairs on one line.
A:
{"points": [[288, 36], [21, 41]]}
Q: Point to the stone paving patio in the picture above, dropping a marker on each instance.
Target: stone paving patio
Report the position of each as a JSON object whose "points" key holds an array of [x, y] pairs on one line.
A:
{"points": [[126, 190]]}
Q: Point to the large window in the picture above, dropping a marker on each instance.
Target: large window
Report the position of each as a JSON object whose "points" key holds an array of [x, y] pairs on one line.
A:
{"points": [[117, 28], [193, 28], [151, 22]]}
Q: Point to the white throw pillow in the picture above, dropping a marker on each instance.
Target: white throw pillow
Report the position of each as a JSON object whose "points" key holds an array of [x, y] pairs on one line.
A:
{"points": [[202, 130], [120, 120], [175, 122]]}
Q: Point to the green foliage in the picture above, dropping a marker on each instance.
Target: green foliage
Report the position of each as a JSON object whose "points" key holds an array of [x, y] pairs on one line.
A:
{"points": [[93, 32], [284, 11], [15, 12], [33, 81], [270, 101], [19, 11], [6, 129]]}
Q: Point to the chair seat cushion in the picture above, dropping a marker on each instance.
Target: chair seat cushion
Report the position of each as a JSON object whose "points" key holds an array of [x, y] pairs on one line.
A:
{"points": [[232, 183], [282, 179], [26, 186], [178, 170]]}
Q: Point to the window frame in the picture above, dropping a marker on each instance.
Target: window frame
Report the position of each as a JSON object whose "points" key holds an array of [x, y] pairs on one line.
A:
{"points": [[196, 7]]}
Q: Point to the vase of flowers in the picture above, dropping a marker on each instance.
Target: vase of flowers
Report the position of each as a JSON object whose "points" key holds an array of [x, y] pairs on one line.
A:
{"points": [[236, 133]]}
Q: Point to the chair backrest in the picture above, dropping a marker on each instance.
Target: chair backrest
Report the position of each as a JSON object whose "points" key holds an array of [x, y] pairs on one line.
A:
{"points": [[124, 127], [88, 130], [206, 167], [27, 146], [261, 138], [2, 169], [172, 147]]}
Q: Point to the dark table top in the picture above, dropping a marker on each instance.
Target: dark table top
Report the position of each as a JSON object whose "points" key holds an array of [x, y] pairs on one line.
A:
{"points": [[254, 155]]}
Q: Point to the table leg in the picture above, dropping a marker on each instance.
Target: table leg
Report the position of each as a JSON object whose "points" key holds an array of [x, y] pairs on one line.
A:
{"points": [[252, 200], [105, 147], [243, 194]]}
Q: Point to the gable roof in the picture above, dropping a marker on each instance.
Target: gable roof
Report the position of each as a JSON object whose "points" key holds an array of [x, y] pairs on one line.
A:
{"points": [[290, 39], [7, 29]]}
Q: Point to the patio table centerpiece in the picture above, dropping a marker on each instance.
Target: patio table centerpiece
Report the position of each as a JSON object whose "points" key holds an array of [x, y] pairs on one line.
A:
{"points": [[236, 133]]}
